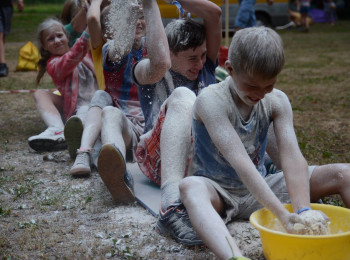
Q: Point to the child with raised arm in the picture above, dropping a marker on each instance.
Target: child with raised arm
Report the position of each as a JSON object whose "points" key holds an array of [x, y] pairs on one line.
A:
{"points": [[230, 128], [96, 17], [96, 21], [167, 97], [72, 72], [117, 112]]}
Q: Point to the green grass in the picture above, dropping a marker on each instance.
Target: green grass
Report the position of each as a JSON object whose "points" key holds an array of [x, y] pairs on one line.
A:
{"points": [[24, 24]]}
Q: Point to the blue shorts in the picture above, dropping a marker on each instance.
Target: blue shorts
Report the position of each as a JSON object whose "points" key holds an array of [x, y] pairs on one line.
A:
{"points": [[246, 14], [5, 19], [304, 9]]}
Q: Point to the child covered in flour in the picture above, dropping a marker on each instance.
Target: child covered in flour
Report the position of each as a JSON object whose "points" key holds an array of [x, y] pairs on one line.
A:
{"points": [[116, 113], [96, 18], [230, 128], [167, 95], [72, 72]]}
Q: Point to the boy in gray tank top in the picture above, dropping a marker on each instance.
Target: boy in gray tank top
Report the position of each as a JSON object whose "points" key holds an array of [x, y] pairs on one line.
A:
{"points": [[230, 128]]}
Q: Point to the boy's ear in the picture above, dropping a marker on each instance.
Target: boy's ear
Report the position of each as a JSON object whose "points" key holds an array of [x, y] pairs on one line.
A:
{"points": [[229, 67]]}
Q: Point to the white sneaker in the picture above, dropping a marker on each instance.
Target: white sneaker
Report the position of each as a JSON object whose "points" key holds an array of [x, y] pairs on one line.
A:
{"points": [[82, 164], [52, 139], [286, 26]]}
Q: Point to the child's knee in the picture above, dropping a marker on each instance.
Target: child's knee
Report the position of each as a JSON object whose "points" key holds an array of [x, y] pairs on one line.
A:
{"points": [[39, 94], [182, 97], [189, 187], [101, 99], [341, 176], [112, 113]]}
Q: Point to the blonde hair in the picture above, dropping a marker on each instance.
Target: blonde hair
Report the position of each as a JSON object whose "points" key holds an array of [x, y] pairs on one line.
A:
{"points": [[47, 24], [257, 51]]}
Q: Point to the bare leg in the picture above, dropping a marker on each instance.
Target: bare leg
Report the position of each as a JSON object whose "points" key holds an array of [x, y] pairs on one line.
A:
{"points": [[82, 112], [92, 127], [331, 179], [175, 143], [49, 106], [2, 48], [116, 129], [305, 22], [209, 226], [116, 137]]}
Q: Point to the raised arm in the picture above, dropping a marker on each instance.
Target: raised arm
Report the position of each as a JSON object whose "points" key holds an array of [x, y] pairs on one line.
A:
{"points": [[94, 23], [153, 69], [79, 20], [293, 163], [211, 15]]}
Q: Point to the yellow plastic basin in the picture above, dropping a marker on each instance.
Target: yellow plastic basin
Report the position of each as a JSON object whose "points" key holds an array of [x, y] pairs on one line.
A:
{"points": [[282, 246]]}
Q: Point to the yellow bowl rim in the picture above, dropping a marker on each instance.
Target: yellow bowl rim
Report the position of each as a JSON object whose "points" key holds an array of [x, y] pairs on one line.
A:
{"points": [[260, 227]]}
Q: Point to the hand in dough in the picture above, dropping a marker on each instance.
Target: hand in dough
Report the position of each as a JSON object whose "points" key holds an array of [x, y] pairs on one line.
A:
{"points": [[313, 222]]}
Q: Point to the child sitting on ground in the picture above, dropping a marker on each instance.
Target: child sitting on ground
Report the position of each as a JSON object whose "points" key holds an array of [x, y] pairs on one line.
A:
{"points": [[115, 114], [96, 19], [72, 72], [230, 125]]}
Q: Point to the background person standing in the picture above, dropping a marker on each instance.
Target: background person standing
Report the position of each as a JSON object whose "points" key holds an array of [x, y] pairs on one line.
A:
{"points": [[246, 14], [6, 11]]}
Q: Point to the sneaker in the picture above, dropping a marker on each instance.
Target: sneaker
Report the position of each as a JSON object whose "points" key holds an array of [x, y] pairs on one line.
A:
{"points": [[52, 139], [4, 70], [112, 169], [176, 222], [286, 26], [82, 165], [73, 131]]}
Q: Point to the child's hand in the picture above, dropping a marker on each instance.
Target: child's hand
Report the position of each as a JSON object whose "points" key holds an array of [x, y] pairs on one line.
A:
{"points": [[313, 222], [137, 10], [289, 221]]}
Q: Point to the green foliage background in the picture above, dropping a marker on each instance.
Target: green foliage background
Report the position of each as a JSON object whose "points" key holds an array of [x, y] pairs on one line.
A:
{"points": [[43, 2]]}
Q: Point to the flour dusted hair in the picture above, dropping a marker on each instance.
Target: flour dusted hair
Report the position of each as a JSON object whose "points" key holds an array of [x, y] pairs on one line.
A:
{"points": [[257, 51], [184, 34], [47, 24]]}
